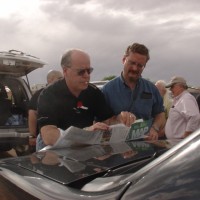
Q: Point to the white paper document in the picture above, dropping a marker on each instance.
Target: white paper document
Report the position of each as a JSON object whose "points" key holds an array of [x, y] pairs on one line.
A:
{"points": [[74, 136]]}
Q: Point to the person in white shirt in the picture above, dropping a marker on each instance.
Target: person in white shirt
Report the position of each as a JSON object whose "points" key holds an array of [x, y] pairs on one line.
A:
{"points": [[184, 116], [167, 101]]}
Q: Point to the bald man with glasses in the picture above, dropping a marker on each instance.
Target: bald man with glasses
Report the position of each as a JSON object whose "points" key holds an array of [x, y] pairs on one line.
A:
{"points": [[73, 101]]}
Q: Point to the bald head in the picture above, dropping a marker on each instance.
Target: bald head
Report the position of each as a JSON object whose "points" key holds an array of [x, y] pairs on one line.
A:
{"points": [[71, 55], [160, 84], [53, 75]]}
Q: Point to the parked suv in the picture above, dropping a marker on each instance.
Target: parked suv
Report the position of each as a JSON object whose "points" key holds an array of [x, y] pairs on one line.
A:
{"points": [[14, 96]]}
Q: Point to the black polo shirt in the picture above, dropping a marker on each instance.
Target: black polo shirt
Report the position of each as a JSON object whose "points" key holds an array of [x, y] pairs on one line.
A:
{"points": [[33, 105], [58, 106], [34, 100]]}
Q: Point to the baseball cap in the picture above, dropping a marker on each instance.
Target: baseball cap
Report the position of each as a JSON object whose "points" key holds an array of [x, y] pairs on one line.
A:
{"points": [[176, 79]]}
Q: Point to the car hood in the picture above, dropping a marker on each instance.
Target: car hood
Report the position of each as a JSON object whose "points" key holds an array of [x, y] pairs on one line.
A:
{"points": [[71, 164], [18, 64]]}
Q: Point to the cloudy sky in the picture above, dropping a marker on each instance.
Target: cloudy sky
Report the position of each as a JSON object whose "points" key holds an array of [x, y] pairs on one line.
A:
{"points": [[46, 28]]}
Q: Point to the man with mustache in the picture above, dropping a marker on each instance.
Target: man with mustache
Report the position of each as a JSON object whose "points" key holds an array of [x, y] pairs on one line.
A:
{"points": [[130, 92]]}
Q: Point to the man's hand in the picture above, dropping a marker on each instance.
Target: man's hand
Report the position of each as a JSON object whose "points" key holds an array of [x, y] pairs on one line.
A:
{"points": [[126, 118], [152, 135], [98, 126]]}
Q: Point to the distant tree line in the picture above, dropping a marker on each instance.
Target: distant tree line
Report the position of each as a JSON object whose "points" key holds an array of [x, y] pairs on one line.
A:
{"points": [[108, 78]]}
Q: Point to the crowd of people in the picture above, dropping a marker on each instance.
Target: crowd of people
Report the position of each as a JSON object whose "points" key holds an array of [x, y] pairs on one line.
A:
{"points": [[71, 100]]}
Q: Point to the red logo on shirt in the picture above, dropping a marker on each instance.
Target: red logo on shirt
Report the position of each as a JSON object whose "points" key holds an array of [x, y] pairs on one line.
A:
{"points": [[79, 104]]}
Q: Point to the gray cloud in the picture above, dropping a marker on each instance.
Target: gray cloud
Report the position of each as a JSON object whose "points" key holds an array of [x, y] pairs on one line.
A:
{"points": [[104, 29]]}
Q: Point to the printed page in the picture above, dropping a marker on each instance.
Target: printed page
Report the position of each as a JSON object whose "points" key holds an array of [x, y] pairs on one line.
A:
{"points": [[116, 133], [139, 129], [82, 136], [74, 136], [119, 133]]}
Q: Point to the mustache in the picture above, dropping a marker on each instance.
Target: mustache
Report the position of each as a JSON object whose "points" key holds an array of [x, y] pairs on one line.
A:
{"points": [[133, 71]]}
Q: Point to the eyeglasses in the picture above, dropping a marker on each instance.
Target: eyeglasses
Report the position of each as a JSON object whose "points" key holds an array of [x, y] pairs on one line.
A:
{"points": [[172, 87], [139, 65], [81, 72]]}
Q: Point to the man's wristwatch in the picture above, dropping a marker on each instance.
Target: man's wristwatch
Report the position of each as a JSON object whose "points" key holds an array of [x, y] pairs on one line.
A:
{"points": [[32, 136], [155, 128]]}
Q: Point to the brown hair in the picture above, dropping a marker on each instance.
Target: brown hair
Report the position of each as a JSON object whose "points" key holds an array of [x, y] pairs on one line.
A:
{"points": [[138, 48]]}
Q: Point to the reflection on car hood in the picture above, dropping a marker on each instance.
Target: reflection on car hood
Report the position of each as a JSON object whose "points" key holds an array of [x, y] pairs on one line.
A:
{"points": [[70, 164]]}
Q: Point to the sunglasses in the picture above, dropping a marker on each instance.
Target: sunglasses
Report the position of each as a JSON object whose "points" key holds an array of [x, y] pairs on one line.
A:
{"points": [[81, 72]]}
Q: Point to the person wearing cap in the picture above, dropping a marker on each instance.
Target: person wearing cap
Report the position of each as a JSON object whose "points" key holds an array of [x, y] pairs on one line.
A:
{"points": [[132, 93], [184, 116]]}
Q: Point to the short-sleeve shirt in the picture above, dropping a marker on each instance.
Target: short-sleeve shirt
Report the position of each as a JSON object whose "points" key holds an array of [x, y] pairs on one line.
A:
{"points": [[58, 106], [34, 100], [33, 104], [145, 101]]}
